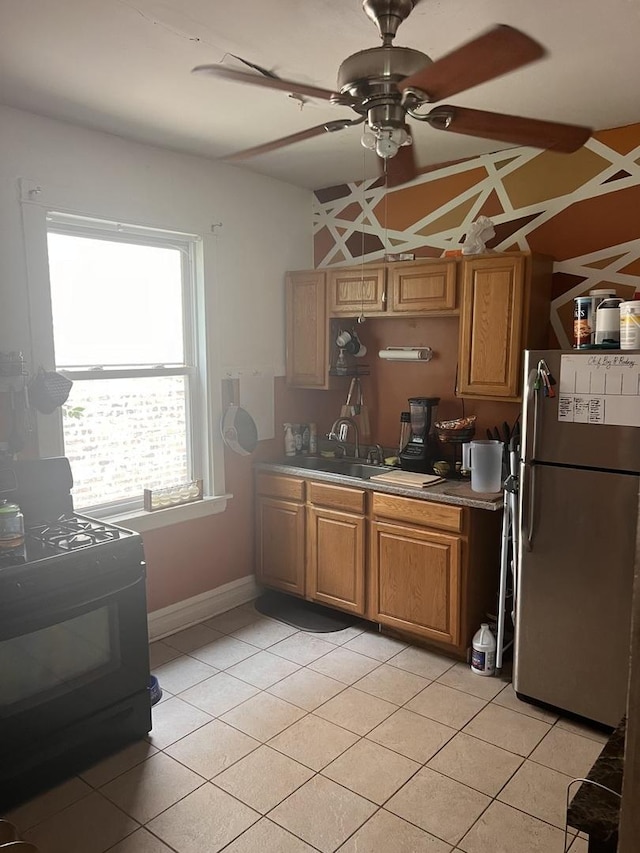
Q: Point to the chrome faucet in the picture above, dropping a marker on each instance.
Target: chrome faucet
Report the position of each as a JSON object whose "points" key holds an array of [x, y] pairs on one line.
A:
{"points": [[332, 435], [376, 454]]}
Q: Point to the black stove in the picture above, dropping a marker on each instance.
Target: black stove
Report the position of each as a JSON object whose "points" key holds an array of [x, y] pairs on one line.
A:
{"points": [[74, 663], [59, 536]]}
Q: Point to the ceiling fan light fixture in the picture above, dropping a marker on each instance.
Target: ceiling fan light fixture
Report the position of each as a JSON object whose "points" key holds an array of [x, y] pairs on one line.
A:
{"points": [[385, 140], [368, 138]]}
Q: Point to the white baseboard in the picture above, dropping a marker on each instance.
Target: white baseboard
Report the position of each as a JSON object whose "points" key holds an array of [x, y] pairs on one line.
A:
{"points": [[191, 611]]}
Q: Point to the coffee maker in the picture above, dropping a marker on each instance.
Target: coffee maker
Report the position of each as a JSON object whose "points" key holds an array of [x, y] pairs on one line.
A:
{"points": [[418, 453]]}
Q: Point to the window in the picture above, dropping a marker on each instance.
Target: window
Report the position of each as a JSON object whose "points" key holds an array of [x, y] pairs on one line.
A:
{"points": [[125, 332]]}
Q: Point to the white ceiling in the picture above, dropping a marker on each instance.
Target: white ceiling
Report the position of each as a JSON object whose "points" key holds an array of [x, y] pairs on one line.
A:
{"points": [[123, 66]]}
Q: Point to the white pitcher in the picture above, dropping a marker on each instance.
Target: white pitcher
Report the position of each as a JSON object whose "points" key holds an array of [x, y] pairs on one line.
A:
{"points": [[484, 460]]}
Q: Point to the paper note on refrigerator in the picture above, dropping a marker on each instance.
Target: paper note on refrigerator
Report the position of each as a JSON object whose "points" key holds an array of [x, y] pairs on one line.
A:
{"points": [[598, 388]]}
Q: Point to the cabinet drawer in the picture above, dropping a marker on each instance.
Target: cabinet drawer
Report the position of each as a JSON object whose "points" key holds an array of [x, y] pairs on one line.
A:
{"points": [[424, 513], [353, 290], [421, 287], [338, 497], [280, 487]]}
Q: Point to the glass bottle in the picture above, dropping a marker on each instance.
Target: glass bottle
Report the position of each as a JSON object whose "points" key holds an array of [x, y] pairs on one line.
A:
{"points": [[341, 363], [11, 526]]}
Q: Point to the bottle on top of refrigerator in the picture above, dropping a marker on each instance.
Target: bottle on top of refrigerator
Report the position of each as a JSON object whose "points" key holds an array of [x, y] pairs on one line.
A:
{"points": [[483, 652], [630, 324]]}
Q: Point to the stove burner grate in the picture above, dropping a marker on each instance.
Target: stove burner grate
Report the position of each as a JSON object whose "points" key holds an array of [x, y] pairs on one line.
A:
{"points": [[72, 533]]}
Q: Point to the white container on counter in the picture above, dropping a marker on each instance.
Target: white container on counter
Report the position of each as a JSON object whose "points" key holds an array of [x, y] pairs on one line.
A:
{"points": [[630, 325]]}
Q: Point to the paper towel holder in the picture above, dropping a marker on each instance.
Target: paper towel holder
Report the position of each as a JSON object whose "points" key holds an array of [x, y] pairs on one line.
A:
{"points": [[406, 354]]}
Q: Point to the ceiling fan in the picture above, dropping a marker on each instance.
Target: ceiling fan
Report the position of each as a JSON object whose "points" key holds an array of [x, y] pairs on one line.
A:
{"points": [[385, 85]]}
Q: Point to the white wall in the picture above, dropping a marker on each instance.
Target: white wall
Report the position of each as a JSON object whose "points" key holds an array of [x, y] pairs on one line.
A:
{"points": [[266, 225]]}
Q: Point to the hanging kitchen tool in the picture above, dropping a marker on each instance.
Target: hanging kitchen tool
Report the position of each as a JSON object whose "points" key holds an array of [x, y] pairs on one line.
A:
{"points": [[348, 409], [239, 430], [362, 413]]}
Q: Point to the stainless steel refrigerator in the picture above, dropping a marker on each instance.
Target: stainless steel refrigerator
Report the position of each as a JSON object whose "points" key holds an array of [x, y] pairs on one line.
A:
{"points": [[579, 481]]}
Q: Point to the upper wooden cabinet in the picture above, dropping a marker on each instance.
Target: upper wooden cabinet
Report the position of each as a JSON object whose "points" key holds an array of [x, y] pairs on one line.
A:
{"points": [[357, 289], [307, 358], [422, 287], [504, 304], [504, 309], [410, 288]]}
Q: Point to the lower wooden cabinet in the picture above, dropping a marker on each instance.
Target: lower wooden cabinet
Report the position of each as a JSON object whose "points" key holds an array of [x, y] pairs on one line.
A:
{"points": [[280, 532], [422, 568], [280, 544], [415, 579], [335, 558]]}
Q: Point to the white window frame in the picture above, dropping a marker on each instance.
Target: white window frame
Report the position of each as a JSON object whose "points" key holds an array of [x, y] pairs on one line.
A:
{"points": [[204, 443]]}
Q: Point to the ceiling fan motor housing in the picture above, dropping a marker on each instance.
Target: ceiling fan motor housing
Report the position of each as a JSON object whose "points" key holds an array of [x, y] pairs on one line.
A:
{"points": [[370, 77], [387, 15]]}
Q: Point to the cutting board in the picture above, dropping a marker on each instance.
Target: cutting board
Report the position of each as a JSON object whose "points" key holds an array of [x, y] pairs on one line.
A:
{"points": [[407, 478]]}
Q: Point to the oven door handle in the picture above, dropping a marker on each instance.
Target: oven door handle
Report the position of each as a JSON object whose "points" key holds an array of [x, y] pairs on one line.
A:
{"points": [[50, 615]]}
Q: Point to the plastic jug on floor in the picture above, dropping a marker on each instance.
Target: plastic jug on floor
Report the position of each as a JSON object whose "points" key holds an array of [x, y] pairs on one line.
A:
{"points": [[483, 651]]}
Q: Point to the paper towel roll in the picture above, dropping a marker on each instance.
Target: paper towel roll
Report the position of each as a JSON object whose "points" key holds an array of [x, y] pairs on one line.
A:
{"points": [[407, 353]]}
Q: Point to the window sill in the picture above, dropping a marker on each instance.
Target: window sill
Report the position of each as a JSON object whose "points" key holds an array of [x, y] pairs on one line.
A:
{"points": [[141, 521]]}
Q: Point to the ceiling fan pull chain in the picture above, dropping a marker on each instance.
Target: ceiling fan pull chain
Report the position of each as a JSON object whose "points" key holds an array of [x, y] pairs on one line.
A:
{"points": [[361, 317]]}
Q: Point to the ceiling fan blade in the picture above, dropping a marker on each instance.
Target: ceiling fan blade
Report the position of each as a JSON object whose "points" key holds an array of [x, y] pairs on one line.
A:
{"points": [[309, 133], [400, 169], [227, 73], [494, 53], [505, 128]]}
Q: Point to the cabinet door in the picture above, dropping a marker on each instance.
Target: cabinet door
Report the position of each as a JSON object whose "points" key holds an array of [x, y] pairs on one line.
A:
{"points": [[415, 575], [306, 342], [423, 287], [357, 289], [335, 558], [280, 544], [493, 293]]}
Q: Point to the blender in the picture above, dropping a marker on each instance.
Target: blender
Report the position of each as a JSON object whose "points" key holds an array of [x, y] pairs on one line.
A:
{"points": [[418, 453]]}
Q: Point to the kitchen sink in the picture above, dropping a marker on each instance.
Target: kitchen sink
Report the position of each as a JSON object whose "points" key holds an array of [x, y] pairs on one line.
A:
{"points": [[346, 467]]}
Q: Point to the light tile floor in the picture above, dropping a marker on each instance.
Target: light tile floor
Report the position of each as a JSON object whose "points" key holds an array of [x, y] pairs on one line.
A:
{"points": [[272, 740]]}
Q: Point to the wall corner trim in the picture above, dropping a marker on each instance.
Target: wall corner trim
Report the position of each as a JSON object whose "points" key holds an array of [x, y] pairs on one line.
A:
{"points": [[191, 611]]}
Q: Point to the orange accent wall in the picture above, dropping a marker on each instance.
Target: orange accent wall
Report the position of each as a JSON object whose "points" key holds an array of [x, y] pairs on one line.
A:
{"points": [[580, 208]]}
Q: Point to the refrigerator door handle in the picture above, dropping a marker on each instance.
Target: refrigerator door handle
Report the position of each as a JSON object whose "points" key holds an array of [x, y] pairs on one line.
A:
{"points": [[534, 398], [528, 509]]}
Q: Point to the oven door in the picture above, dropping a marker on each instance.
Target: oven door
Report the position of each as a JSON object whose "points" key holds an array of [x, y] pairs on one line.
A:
{"points": [[71, 653]]}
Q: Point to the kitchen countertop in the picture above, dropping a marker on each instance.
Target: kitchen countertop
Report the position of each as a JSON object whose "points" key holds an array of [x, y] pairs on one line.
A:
{"points": [[594, 810], [455, 492]]}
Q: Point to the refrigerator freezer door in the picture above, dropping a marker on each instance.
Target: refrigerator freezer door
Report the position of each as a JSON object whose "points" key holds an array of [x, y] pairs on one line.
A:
{"points": [[546, 439], [575, 584]]}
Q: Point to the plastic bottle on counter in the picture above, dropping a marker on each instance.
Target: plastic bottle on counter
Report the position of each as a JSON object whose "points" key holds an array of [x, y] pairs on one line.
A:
{"points": [[313, 439], [289, 441], [483, 653], [306, 438]]}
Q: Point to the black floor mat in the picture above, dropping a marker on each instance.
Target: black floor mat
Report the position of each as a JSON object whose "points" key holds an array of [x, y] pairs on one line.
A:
{"points": [[303, 614]]}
